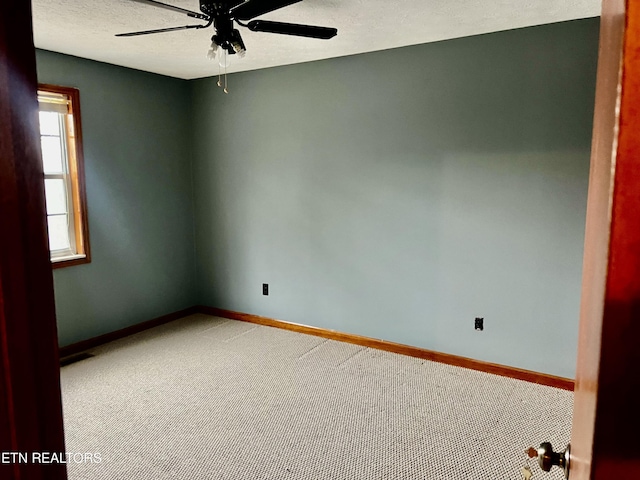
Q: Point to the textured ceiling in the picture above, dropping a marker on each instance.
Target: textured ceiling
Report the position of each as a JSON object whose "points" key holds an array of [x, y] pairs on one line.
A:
{"points": [[86, 28]]}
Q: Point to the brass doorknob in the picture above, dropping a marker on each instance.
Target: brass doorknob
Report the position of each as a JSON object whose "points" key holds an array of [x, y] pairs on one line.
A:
{"points": [[547, 458]]}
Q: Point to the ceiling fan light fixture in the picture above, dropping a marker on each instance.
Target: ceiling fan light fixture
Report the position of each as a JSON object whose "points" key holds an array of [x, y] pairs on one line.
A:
{"points": [[237, 44], [213, 50]]}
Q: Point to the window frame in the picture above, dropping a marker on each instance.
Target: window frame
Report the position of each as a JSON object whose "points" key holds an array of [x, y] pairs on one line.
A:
{"points": [[75, 166]]}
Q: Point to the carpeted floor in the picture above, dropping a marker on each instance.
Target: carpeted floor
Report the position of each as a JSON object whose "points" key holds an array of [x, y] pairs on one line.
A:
{"points": [[209, 398]]}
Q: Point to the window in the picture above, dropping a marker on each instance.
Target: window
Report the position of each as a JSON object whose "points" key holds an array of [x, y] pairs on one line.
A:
{"points": [[62, 161]]}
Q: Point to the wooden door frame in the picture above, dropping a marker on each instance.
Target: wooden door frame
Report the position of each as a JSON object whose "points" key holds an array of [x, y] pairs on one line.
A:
{"points": [[605, 440], [30, 402]]}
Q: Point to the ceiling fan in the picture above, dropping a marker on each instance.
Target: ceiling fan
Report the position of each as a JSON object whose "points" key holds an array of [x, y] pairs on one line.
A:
{"points": [[222, 15]]}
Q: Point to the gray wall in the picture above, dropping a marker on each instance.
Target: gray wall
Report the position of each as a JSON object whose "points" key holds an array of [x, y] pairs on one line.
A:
{"points": [[137, 132], [401, 194]]}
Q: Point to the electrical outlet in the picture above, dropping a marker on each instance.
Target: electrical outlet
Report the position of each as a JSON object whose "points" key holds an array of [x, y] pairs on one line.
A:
{"points": [[479, 323], [265, 289]]}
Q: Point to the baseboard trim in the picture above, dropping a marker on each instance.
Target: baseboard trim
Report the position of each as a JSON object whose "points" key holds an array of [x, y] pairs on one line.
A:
{"points": [[94, 342], [458, 361], [449, 359]]}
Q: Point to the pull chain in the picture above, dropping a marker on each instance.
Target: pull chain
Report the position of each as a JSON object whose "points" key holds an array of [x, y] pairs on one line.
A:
{"points": [[222, 59], [225, 71]]}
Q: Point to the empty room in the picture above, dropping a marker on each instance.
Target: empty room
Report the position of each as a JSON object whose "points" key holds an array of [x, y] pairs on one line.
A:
{"points": [[319, 240]]}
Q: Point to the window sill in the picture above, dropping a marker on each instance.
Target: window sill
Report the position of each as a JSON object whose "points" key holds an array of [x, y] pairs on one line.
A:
{"points": [[69, 260]]}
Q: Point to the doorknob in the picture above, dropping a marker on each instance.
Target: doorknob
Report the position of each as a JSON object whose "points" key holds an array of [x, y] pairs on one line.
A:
{"points": [[547, 458]]}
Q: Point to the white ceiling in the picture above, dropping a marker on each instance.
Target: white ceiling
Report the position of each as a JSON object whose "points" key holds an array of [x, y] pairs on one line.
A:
{"points": [[86, 28]]}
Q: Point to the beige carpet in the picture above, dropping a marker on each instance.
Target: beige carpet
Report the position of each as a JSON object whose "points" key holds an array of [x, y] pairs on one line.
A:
{"points": [[209, 398]]}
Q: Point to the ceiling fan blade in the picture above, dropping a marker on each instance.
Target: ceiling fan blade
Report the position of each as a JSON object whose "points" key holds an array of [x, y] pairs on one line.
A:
{"points": [[159, 30], [254, 8], [312, 31], [175, 9]]}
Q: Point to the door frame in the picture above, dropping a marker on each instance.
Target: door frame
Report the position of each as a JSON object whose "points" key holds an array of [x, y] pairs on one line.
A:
{"points": [[30, 402], [605, 443]]}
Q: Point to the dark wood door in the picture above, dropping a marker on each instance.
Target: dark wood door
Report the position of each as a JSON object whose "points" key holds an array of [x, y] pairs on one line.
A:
{"points": [[30, 407], [605, 438]]}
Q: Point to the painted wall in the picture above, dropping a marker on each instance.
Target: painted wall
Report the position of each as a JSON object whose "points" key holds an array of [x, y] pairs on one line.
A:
{"points": [[136, 129], [400, 194]]}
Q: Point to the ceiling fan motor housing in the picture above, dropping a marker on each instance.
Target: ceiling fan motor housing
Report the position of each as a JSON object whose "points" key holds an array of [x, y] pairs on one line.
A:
{"points": [[226, 36], [215, 8]]}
